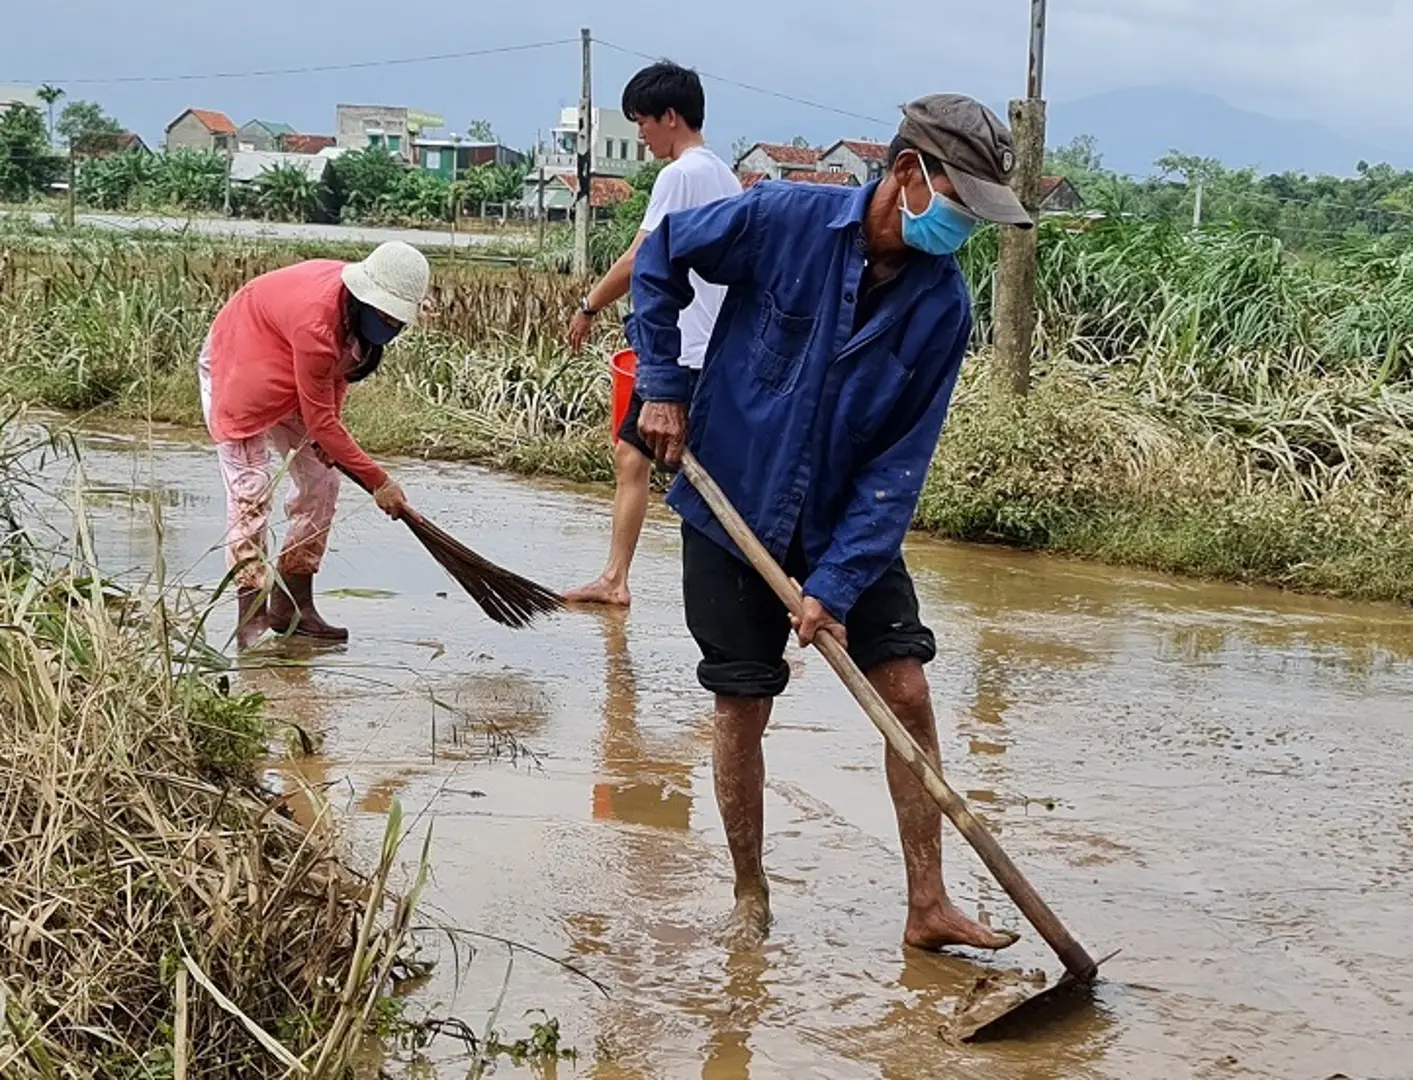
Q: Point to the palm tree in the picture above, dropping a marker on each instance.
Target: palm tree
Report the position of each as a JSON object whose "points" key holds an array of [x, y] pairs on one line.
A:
{"points": [[50, 94]]}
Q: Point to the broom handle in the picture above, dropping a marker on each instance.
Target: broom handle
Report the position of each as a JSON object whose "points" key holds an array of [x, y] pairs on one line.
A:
{"points": [[1071, 953], [341, 467]]}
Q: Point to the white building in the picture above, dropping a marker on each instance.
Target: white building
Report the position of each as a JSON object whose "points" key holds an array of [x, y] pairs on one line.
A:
{"points": [[616, 150], [15, 94]]}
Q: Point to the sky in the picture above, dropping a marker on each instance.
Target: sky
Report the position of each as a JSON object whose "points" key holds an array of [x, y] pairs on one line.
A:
{"points": [[1341, 64]]}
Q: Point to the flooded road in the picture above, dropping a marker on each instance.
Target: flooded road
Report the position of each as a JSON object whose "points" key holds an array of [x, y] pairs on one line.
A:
{"points": [[1218, 781]]}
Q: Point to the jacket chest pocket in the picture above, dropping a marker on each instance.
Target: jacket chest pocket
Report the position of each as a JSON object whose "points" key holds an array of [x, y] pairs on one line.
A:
{"points": [[874, 388], [778, 352]]}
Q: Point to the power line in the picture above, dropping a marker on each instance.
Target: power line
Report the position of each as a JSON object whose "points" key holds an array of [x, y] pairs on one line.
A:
{"points": [[755, 89], [316, 68]]}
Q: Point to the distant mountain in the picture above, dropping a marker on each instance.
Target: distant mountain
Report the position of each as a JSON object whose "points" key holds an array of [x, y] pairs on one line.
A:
{"points": [[1136, 127]]}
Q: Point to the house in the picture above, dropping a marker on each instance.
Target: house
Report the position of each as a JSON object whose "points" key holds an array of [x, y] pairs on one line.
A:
{"points": [[616, 149], [605, 193], [15, 94], [201, 129], [774, 160], [836, 177], [440, 156], [247, 165], [862, 159], [261, 134], [124, 142], [1059, 196], [389, 127], [295, 143]]}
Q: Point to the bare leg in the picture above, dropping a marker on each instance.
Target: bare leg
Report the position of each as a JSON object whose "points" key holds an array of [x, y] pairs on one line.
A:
{"points": [[630, 508], [933, 921], [738, 764]]}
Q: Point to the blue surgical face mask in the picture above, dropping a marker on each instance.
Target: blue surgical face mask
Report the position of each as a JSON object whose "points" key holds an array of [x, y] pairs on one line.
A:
{"points": [[942, 228], [372, 328]]}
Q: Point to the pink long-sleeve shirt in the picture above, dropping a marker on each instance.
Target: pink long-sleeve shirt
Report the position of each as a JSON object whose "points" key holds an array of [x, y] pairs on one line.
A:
{"points": [[280, 346]]}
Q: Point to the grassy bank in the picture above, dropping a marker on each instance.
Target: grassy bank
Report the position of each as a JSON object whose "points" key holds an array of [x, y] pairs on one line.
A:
{"points": [[165, 914], [1204, 403]]}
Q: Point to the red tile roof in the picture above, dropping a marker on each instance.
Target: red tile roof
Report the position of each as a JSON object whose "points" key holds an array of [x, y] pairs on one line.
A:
{"points": [[603, 190], [869, 151], [1048, 184], [837, 177], [789, 155], [217, 123], [305, 144], [750, 179]]}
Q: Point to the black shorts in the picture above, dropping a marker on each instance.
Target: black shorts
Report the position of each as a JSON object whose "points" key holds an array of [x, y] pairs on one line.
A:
{"points": [[741, 627], [628, 429]]}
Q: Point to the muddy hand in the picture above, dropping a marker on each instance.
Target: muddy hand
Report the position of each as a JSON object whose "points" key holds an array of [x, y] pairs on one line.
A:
{"points": [[813, 620], [663, 426], [391, 500]]}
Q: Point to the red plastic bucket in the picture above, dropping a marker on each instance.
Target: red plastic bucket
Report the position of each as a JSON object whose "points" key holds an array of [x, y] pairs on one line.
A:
{"points": [[624, 366]]}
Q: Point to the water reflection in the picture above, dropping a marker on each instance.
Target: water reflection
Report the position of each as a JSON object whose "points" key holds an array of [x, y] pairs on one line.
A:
{"points": [[645, 785]]}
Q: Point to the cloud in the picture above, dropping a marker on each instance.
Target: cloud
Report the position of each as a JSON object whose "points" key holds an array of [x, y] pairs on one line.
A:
{"points": [[1341, 63]]}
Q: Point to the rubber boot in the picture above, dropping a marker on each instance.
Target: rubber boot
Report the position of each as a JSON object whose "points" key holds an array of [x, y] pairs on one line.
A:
{"points": [[251, 617], [295, 604]]}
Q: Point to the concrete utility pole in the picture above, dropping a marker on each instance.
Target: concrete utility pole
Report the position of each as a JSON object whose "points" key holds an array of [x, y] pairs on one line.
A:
{"points": [[1014, 332], [540, 205], [583, 206], [230, 164], [1197, 206], [73, 184]]}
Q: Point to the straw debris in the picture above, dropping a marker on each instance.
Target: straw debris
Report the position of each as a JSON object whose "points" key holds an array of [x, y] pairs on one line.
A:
{"points": [[161, 913]]}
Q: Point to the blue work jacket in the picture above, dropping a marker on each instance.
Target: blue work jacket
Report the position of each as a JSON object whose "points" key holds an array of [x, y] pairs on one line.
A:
{"points": [[805, 423]]}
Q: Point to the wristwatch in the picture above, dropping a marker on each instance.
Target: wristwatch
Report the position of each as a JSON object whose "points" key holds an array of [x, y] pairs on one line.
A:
{"points": [[586, 309]]}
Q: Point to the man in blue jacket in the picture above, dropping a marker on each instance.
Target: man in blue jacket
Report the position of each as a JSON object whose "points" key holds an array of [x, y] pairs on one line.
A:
{"points": [[818, 411]]}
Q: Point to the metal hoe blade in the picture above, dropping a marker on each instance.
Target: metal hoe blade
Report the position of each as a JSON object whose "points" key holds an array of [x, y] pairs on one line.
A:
{"points": [[1060, 999]]}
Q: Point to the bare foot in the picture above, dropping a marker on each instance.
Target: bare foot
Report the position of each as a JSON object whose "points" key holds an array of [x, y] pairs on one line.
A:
{"points": [[749, 923], [602, 591], [940, 925]]}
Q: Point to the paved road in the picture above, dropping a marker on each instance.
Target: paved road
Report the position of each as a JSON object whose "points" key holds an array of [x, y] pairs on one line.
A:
{"points": [[275, 230]]}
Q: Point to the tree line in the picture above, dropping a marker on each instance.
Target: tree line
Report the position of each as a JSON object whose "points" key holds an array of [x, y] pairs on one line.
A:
{"points": [[1306, 212], [360, 186]]}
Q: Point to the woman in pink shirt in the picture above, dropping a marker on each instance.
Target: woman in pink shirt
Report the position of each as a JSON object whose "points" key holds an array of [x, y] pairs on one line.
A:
{"points": [[275, 369]]}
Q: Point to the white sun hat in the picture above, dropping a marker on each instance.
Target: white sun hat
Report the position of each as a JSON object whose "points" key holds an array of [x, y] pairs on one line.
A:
{"points": [[392, 279]]}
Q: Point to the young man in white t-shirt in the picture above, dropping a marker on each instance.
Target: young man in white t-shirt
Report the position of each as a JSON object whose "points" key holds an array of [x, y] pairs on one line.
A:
{"points": [[669, 107]]}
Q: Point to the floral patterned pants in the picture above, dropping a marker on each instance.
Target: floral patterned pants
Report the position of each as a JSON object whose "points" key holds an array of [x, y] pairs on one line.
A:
{"points": [[250, 491]]}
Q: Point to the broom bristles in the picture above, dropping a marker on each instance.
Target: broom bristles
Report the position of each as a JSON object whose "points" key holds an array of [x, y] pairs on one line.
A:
{"points": [[505, 596]]}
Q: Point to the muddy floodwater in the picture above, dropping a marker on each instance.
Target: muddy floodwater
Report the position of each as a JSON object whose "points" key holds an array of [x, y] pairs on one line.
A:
{"points": [[1216, 780]]}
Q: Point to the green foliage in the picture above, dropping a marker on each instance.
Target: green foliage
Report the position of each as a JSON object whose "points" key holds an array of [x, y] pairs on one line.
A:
{"points": [[362, 180], [190, 180], [480, 131], [125, 181], [186, 180], [287, 193], [1307, 213], [88, 129], [27, 165]]}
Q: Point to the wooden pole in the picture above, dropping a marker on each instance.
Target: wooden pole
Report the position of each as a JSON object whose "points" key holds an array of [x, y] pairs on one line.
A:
{"points": [[1047, 924], [1014, 334], [582, 202]]}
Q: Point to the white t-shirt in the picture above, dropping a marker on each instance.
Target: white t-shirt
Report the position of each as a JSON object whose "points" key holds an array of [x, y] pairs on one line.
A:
{"points": [[696, 178]]}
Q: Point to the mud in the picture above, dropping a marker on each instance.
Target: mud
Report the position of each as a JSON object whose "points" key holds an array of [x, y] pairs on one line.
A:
{"points": [[1214, 779]]}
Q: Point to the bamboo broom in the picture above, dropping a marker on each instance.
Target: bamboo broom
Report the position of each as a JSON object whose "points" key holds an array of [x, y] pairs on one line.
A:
{"points": [[506, 597]]}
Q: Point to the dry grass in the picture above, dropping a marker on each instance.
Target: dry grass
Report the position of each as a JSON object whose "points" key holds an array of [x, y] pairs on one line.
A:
{"points": [[161, 913]]}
